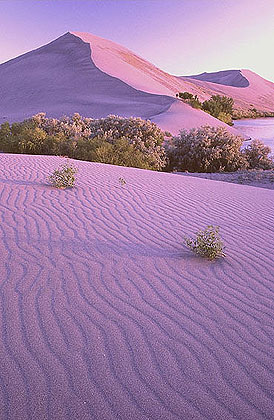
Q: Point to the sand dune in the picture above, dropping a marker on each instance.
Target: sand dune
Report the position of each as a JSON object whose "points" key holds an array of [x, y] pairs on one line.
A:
{"points": [[181, 116], [105, 315], [83, 73], [259, 92], [225, 77]]}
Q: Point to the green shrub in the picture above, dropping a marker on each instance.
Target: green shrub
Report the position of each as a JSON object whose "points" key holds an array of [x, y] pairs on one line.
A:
{"points": [[116, 140], [252, 112], [185, 95], [218, 104], [195, 103], [121, 152], [64, 177], [143, 135], [206, 149], [207, 243], [226, 118], [190, 99]]}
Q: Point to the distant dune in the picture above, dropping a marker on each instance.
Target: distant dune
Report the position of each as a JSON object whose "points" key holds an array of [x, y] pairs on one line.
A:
{"points": [[247, 88], [105, 314], [80, 72], [225, 77]]}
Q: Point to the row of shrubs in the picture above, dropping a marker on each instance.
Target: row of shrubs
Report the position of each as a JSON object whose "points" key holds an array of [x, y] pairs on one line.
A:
{"points": [[222, 107], [239, 114], [134, 142], [114, 140], [218, 106]]}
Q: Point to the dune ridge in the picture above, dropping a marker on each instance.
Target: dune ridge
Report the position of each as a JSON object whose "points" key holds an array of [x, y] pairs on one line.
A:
{"points": [[224, 77], [105, 315]]}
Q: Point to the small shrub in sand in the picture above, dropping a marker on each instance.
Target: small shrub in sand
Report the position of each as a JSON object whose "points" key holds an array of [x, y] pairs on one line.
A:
{"points": [[64, 177], [207, 244], [122, 181]]}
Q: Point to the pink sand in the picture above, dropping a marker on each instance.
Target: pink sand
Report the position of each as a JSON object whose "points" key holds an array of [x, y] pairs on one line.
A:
{"points": [[106, 315], [118, 61]]}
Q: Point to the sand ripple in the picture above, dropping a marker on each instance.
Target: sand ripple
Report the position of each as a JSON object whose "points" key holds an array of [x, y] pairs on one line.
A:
{"points": [[105, 315]]}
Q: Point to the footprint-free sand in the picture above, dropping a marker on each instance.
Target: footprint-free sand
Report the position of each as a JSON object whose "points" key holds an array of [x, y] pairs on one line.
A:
{"points": [[106, 315]]}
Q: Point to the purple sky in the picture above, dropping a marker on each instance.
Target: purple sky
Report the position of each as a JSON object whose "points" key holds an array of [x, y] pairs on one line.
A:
{"points": [[180, 36]]}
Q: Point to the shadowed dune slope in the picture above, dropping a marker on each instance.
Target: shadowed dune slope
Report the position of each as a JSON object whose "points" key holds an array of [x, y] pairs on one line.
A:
{"points": [[105, 315], [61, 78], [225, 77]]}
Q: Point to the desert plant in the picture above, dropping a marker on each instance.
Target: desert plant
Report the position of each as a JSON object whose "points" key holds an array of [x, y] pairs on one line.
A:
{"points": [[122, 180], [116, 140], [190, 99], [143, 135], [120, 152], [185, 95], [226, 118], [206, 149], [195, 103], [257, 155], [63, 177], [207, 243], [218, 104]]}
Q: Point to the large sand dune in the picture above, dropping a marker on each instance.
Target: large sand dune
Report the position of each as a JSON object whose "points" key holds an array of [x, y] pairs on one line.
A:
{"points": [[105, 315], [80, 72], [92, 76]]}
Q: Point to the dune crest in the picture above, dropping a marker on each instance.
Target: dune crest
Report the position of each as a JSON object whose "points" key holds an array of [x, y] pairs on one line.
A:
{"points": [[118, 61]]}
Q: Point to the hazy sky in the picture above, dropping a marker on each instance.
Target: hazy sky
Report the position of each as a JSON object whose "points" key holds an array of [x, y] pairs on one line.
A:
{"points": [[180, 36]]}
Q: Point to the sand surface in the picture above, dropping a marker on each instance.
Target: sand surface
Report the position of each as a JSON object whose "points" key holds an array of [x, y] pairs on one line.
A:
{"points": [[106, 315], [255, 178]]}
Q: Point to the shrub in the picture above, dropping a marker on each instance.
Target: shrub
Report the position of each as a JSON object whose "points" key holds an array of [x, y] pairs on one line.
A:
{"points": [[252, 112], [143, 135], [218, 104], [64, 177], [226, 118], [116, 140], [121, 152], [122, 180], [185, 95], [190, 99], [207, 243], [257, 155], [6, 138], [195, 103], [206, 149]]}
